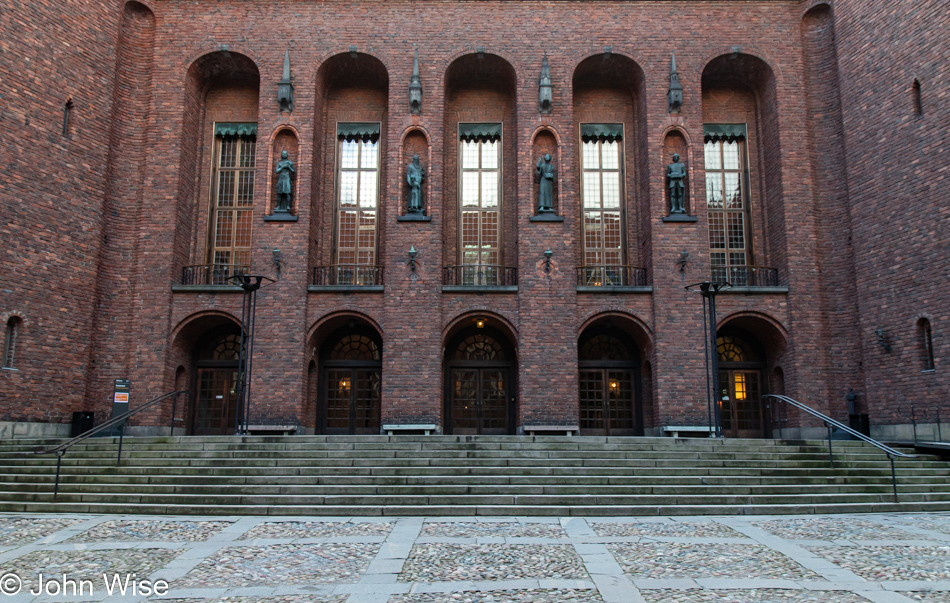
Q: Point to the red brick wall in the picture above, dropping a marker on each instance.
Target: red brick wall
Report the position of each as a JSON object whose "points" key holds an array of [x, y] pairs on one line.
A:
{"points": [[817, 164]]}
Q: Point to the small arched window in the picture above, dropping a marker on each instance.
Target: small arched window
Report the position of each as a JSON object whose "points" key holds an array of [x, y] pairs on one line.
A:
{"points": [[925, 335], [9, 343]]}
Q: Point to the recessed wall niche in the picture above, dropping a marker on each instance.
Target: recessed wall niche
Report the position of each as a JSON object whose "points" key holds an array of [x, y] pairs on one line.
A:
{"points": [[285, 140], [545, 143], [675, 144], [415, 143]]}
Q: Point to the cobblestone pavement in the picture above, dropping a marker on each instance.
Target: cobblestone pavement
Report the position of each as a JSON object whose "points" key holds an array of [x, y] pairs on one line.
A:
{"points": [[753, 559]]}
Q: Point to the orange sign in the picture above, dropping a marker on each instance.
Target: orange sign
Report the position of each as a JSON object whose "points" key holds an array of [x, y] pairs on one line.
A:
{"points": [[121, 398]]}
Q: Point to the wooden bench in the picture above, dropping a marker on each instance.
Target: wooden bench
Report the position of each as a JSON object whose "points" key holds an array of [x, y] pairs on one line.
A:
{"points": [[567, 430], [406, 428], [675, 430]]}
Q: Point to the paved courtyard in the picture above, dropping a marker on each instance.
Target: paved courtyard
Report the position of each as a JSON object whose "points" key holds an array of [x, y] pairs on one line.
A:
{"points": [[848, 558]]}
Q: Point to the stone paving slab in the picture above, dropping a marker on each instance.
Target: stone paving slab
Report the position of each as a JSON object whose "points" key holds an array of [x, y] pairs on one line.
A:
{"points": [[834, 559], [168, 531]]}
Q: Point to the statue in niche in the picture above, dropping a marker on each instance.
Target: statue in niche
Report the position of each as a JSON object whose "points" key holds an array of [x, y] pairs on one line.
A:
{"points": [[676, 173], [414, 176], [546, 190], [285, 167]]}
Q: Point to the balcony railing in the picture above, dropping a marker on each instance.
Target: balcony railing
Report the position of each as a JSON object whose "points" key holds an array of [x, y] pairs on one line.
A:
{"points": [[611, 276], [480, 275], [211, 274], [347, 275], [746, 276]]}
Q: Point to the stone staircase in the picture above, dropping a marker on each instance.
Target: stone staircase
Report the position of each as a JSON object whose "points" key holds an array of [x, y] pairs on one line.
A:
{"points": [[465, 476]]}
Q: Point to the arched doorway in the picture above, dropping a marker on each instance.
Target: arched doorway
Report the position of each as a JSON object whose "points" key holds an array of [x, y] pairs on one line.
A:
{"points": [[351, 363], [741, 364], [479, 380], [217, 357], [610, 400]]}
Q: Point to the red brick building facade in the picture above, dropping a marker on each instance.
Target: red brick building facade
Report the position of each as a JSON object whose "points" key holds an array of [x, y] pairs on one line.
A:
{"points": [[138, 174]]}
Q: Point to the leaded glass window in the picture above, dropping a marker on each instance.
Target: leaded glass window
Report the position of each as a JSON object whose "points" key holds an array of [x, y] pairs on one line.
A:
{"points": [[602, 169], [727, 205], [357, 200], [480, 201], [233, 203]]}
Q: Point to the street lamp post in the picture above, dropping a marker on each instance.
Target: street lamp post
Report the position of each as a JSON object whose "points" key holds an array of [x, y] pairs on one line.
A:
{"points": [[709, 290], [250, 284]]}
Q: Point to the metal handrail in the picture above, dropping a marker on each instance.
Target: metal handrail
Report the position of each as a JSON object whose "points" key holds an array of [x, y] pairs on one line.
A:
{"points": [[926, 415], [120, 420], [829, 423]]}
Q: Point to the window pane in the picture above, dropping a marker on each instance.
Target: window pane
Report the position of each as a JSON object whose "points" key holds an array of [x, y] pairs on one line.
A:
{"points": [[611, 192], [223, 228], [735, 222], [369, 155], [489, 229], [470, 229], [248, 151], [225, 189], [367, 236], [714, 190], [593, 231], [489, 155], [730, 155], [470, 189], [470, 155], [347, 238], [737, 258], [367, 189], [733, 196], [711, 151], [349, 154], [489, 189], [717, 231], [610, 155], [348, 188], [245, 196], [228, 152], [592, 190], [612, 235], [590, 157]]}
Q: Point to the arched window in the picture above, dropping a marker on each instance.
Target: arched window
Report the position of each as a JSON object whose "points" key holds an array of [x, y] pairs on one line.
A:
{"points": [[9, 345], [925, 335]]}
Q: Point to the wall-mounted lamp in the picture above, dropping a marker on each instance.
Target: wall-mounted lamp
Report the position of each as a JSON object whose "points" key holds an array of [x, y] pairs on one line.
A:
{"points": [[683, 261], [353, 53], [547, 260], [412, 253], [479, 323], [882, 340], [277, 261]]}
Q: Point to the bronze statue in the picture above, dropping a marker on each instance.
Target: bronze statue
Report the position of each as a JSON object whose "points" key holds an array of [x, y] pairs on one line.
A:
{"points": [[546, 190], [285, 167], [676, 173], [414, 176]]}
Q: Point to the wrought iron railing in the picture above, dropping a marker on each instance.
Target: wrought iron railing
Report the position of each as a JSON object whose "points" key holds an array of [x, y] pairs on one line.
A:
{"points": [[480, 275], [746, 276], [832, 424], [211, 274], [347, 275], [611, 276]]}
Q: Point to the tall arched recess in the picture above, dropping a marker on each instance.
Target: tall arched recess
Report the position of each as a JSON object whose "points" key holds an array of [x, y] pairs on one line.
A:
{"points": [[131, 106], [219, 147], [480, 194], [610, 124], [742, 160], [349, 175]]}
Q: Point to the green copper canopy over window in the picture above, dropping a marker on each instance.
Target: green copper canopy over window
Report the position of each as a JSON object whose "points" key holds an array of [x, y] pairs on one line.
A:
{"points": [[482, 132], [608, 132], [235, 129], [724, 132], [367, 132]]}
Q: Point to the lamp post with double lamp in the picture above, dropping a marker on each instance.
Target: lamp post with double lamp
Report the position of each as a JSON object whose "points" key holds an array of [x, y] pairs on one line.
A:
{"points": [[250, 284], [708, 290]]}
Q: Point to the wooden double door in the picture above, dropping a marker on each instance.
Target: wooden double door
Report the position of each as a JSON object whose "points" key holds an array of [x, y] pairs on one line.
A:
{"points": [[353, 400], [479, 375], [217, 401], [742, 415]]}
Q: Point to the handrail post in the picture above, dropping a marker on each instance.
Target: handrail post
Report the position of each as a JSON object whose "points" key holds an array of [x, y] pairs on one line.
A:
{"points": [[59, 462], [939, 427], [913, 420], [171, 428], [118, 458], [893, 476], [831, 458]]}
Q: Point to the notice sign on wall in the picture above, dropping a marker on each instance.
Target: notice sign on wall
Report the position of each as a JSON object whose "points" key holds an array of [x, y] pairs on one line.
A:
{"points": [[120, 397]]}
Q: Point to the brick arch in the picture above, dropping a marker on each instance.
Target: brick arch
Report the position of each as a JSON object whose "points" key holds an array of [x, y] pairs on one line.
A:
{"points": [[748, 50], [332, 321], [631, 324], [408, 130], [318, 63], [577, 58], [816, 7], [516, 65], [193, 60], [498, 320]]}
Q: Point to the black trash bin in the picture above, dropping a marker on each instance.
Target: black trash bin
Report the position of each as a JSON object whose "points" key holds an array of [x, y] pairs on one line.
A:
{"points": [[82, 422]]}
